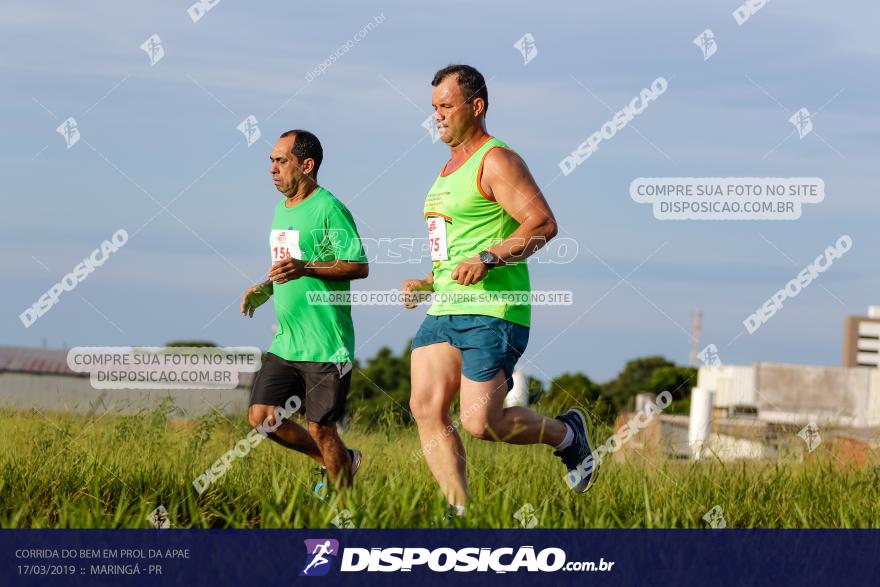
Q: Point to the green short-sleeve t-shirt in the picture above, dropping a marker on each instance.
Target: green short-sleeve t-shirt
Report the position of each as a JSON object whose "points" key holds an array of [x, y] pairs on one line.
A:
{"points": [[320, 228]]}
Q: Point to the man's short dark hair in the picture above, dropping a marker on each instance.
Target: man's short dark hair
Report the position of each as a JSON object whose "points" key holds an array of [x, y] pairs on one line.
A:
{"points": [[471, 81], [306, 146]]}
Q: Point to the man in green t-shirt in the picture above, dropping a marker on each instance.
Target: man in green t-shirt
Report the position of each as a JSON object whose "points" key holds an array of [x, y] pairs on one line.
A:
{"points": [[316, 252], [485, 217]]}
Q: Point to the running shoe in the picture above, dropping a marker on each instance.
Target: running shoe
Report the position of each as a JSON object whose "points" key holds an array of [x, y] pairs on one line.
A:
{"points": [[578, 457], [355, 456]]}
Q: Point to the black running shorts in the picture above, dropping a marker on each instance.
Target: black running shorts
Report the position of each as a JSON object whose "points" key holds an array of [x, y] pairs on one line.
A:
{"points": [[322, 388]]}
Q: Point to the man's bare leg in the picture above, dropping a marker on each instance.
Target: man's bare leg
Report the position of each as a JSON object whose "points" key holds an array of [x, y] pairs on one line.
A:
{"points": [[436, 376], [333, 451], [289, 435], [484, 416]]}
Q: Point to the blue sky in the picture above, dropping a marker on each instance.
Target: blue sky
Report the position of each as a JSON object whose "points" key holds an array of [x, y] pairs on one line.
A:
{"points": [[168, 132]]}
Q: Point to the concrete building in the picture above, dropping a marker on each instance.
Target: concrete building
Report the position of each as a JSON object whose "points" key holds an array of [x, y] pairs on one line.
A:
{"points": [[780, 410], [34, 378], [861, 339], [784, 393]]}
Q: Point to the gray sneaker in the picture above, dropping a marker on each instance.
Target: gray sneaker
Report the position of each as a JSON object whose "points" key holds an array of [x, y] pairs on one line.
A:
{"points": [[356, 456], [579, 457]]}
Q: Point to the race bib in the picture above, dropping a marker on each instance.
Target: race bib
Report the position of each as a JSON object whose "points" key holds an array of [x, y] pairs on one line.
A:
{"points": [[284, 244], [437, 238]]}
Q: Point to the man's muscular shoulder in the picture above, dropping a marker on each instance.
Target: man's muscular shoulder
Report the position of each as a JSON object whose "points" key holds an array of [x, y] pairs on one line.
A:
{"points": [[502, 165]]}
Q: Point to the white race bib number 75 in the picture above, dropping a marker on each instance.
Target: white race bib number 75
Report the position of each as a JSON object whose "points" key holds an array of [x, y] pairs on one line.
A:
{"points": [[437, 238], [284, 244]]}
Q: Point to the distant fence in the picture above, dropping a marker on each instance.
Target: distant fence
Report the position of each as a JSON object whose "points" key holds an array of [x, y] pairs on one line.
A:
{"points": [[69, 393]]}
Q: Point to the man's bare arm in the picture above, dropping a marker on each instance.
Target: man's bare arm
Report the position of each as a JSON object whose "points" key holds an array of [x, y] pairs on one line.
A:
{"points": [[507, 180], [290, 268]]}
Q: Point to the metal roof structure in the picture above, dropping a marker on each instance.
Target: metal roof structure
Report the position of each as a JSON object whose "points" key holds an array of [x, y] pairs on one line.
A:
{"points": [[40, 361]]}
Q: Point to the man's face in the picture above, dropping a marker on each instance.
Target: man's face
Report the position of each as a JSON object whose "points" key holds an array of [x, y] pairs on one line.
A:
{"points": [[287, 172], [454, 117]]}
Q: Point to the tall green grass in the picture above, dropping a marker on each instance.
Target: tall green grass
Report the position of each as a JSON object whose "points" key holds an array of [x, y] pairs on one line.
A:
{"points": [[67, 471]]}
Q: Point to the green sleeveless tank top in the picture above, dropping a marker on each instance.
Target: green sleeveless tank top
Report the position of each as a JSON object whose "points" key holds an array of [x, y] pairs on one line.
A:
{"points": [[462, 221]]}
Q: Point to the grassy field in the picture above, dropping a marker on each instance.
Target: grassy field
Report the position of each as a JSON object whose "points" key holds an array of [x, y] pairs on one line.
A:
{"points": [[112, 471]]}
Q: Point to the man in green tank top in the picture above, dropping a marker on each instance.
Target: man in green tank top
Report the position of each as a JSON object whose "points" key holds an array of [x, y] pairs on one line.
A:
{"points": [[315, 251], [485, 216]]}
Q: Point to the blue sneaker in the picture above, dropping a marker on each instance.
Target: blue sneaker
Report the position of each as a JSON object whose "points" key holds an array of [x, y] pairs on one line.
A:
{"points": [[579, 457]]}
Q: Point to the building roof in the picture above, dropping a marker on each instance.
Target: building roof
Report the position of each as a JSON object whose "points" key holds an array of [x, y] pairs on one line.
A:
{"points": [[36, 360], [40, 361]]}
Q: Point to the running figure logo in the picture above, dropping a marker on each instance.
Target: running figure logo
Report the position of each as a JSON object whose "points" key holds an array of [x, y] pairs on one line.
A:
{"points": [[317, 552], [250, 128], [527, 47], [706, 42], [802, 121], [715, 517], [70, 131], [810, 435], [526, 516], [153, 48], [709, 357], [159, 517], [430, 125]]}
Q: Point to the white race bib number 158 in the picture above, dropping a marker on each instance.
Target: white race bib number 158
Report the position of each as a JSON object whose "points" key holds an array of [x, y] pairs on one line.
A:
{"points": [[437, 238], [284, 244]]}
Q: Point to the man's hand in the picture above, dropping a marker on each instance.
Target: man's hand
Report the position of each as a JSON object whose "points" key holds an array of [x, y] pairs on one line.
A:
{"points": [[470, 271], [255, 297], [411, 287], [287, 270]]}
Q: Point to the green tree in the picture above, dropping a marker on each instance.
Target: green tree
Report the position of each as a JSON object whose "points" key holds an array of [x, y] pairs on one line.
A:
{"points": [[634, 379], [574, 387], [676, 380], [576, 390], [380, 389], [536, 389]]}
